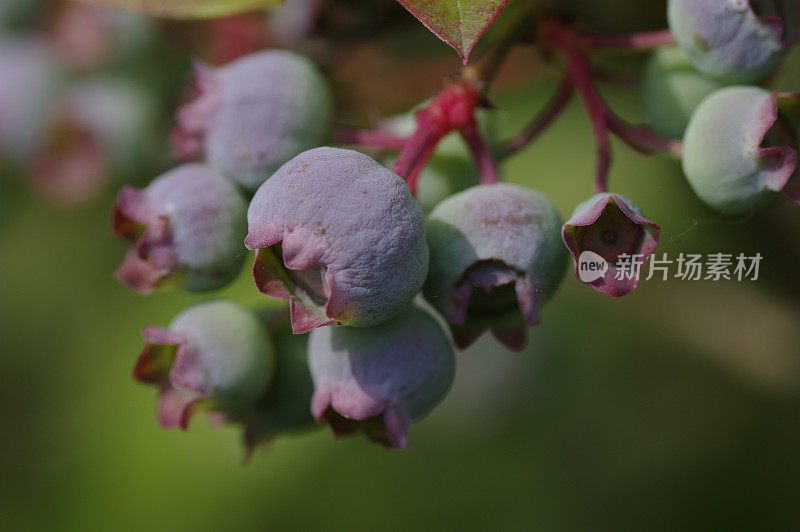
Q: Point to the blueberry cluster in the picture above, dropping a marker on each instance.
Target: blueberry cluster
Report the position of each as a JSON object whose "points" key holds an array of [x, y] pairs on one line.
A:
{"points": [[740, 140], [341, 239], [387, 271]]}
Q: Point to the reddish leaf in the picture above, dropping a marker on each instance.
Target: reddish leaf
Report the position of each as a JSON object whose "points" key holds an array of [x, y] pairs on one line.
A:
{"points": [[459, 23]]}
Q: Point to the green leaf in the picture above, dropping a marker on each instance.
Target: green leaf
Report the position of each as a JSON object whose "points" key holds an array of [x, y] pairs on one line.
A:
{"points": [[186, 8], [459, 23]]}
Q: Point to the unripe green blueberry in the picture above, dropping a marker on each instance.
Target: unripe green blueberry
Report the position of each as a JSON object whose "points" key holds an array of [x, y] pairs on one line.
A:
{"points": [[673, 88], [214, 354], [740, 149], [496, 258], [728, 39], [284, 407]]}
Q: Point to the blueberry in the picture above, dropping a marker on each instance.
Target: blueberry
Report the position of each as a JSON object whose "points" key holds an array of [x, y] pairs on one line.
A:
{"points": [[340, 236], [740, 149], [612, 227], [727, 39], [215, 354], [378, 379], [673, 88], [186, 228], [496, 258], [255, 114]]}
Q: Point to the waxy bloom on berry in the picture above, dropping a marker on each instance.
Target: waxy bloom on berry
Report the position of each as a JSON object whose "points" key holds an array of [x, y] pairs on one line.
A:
{"points": [[673, 89], [612, 227], [378, 379], [186, 227], [740, 149], [496, 258], [340, 236], [215, 355], [255, 114], [731, 40]]}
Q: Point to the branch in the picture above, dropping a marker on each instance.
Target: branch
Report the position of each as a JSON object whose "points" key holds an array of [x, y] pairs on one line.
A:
{"points": [[562, 36], [453, 108], [554, 107], [481, 154], [580, 71], [642, 138], [634, 41]]}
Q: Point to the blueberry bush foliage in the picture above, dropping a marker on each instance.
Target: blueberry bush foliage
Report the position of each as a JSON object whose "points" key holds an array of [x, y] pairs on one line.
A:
{"points": [[395, 245]]}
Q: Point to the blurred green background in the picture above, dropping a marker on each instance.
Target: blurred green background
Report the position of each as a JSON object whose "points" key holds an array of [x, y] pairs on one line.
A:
{"points": [[674, 408]]}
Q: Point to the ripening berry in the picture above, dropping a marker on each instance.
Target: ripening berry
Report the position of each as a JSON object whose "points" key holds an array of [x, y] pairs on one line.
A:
{"points": [[611, 226], [284, 407], [255, 114], [377, 380], [100, 128], [496, 258], [215, 355], [673, 88], [340, 236], [728, 39], [740, 149], [187, 228], [29, 78]]}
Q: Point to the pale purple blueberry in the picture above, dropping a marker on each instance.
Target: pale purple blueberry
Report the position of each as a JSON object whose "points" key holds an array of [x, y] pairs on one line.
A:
{"points": [[29, 78], [100, 128], [215, 355], [739, 41], [255, 114], [339, 236], [611, 226], [186, 228], [740, 149], [377, 380], [496, 258]]}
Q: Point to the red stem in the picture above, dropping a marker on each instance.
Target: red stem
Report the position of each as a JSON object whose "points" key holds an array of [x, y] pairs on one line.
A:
{"points": [[562, 36], [480, 152], [554, 107], [415, 154], [580, 71], [641, 138], [634, 41], [371, 138], [453, 108]]}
